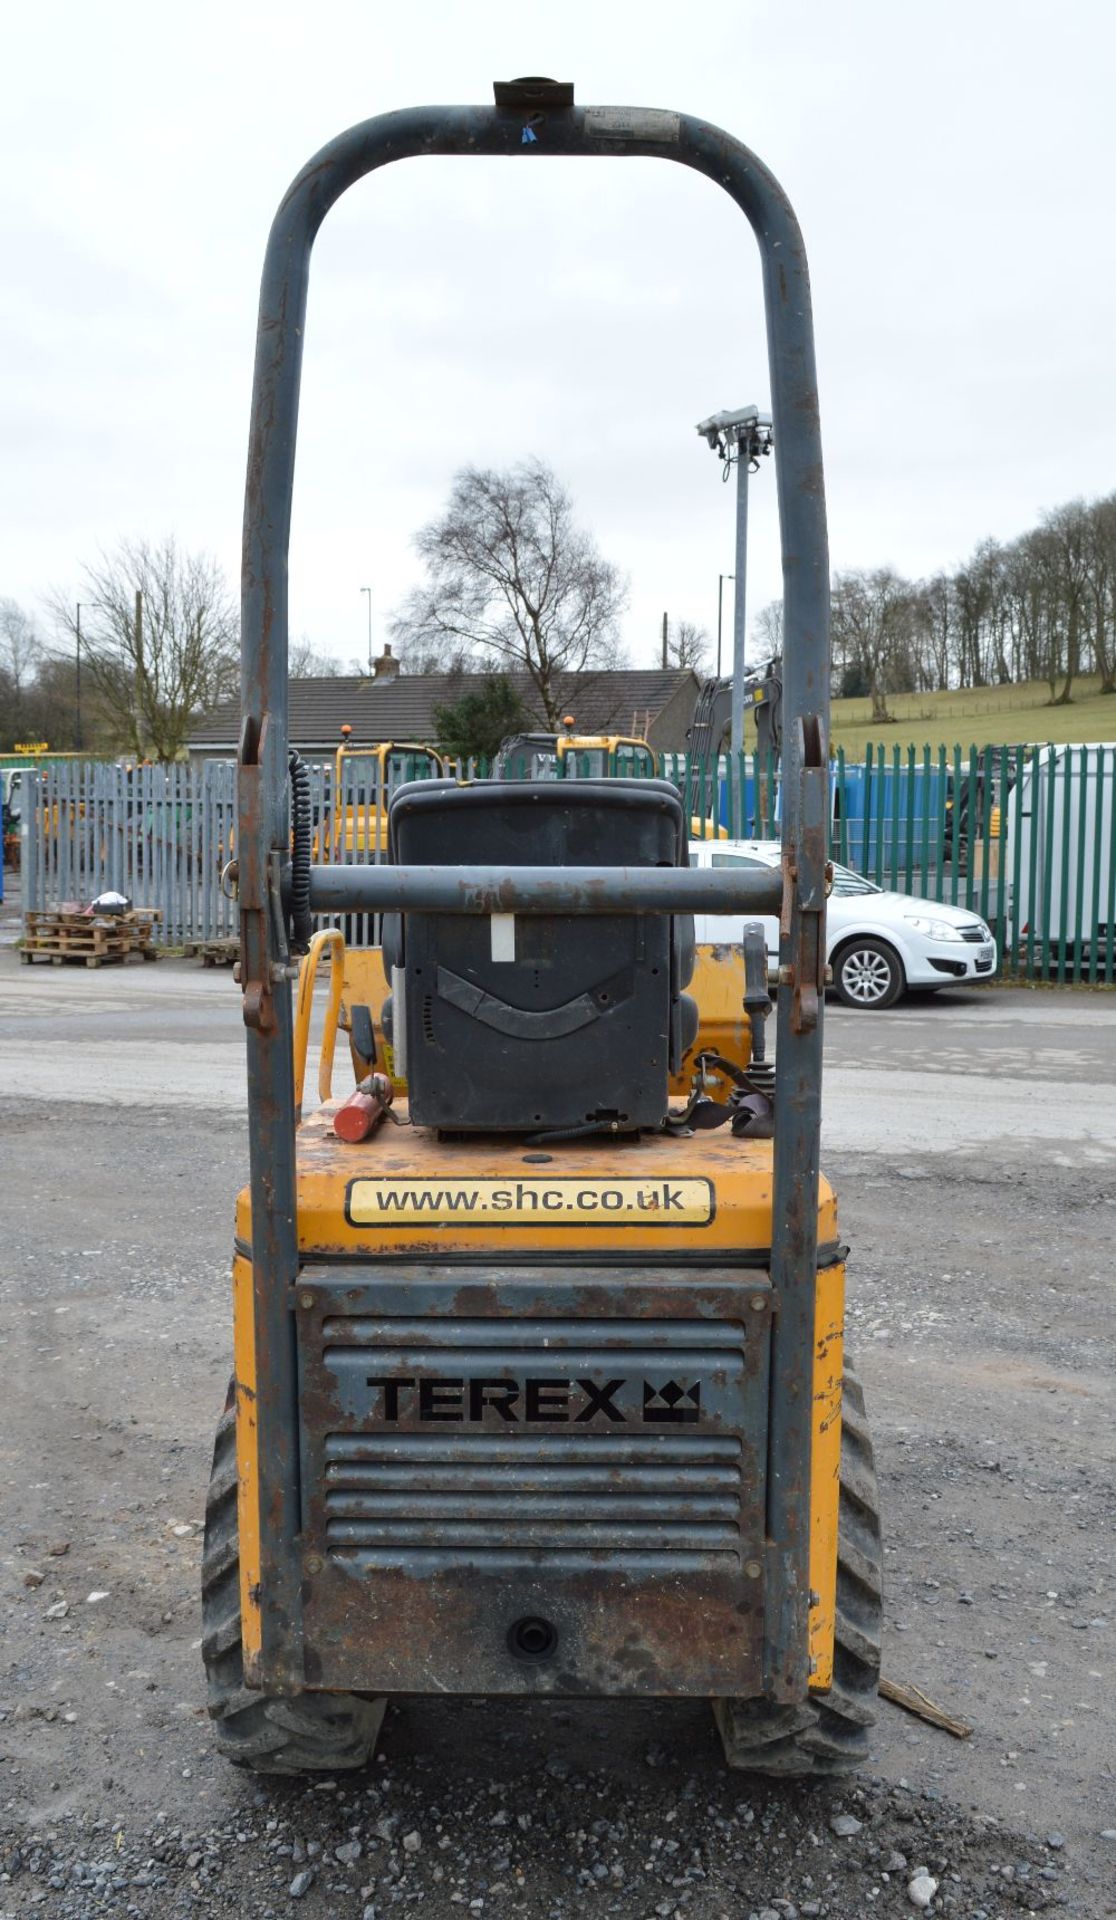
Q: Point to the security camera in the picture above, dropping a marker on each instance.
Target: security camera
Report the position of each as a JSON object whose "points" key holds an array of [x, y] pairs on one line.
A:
{"points": [[733, 425], [738, 417]]}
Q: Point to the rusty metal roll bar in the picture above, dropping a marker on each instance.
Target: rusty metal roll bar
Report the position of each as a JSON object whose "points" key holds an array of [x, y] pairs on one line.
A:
{"points": [[388, 889], [529, 123]]}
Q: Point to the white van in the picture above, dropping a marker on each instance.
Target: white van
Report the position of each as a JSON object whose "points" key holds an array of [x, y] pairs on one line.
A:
{"points": [[1062, 819]]}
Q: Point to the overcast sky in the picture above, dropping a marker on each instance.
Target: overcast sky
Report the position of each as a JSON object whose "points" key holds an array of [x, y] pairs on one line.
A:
{"points": [[952, 164]]}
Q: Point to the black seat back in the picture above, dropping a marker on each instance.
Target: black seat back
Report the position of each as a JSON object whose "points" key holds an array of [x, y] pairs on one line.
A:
{"points": [[539, 1022]]}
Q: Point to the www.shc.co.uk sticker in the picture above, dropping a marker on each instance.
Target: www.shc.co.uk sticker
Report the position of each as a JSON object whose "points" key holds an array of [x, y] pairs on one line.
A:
{"points": [[556, 1202]]}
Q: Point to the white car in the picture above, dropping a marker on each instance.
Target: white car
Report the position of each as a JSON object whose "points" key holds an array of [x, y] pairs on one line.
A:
{"points": [[878, 943]]}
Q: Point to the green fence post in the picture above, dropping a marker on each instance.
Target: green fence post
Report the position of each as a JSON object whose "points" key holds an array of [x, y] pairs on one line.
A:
{"points": [[866, 812], [1098, 848], [938, 855], [896, 782], [1016, 799], [985, 795], [1111, 909], [924, 848], [1049, 801], [1001, 864], [910, 818], [881, 804], [1082, 819], [1063, 888], [955, 825], [971, 811], [843, 814], [1032, 865]]}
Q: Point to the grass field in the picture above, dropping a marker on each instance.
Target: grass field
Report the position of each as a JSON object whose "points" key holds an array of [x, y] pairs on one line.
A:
{"points": [[977, 716]]}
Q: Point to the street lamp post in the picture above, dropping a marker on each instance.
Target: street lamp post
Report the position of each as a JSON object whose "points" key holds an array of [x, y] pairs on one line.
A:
{"points": [[77, 683], [368, 591], [721, 578], [742, 438]]}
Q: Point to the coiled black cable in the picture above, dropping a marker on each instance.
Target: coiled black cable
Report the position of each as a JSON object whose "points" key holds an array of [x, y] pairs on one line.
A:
{"points": [[302, 833]]}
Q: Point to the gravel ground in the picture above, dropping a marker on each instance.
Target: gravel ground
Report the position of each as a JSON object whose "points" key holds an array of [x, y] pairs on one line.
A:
{"points": [[979, 1296]]}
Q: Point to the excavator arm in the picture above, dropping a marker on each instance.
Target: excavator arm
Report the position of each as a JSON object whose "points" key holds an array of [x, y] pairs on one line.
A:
{"points": [[709, 733]]}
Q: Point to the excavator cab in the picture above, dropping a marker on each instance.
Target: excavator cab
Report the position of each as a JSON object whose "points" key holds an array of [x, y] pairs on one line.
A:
{"points": [[573, 756]]}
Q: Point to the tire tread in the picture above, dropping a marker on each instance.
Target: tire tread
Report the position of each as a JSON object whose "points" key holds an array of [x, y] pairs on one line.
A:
{"points": [[829, 1733], [267, 1733]]}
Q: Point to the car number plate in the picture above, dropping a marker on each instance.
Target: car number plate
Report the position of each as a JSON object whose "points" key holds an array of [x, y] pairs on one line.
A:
{"points": [[986, 955]]}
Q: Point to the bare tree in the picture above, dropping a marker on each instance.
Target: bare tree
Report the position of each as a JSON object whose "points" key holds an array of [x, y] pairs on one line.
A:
{"points": [[303, 663], [159, 640], [1102, 585], [20, 657], [1067, 531], [515, 581], [688, 646], [872, 618], [419, 654], [767, 630]]}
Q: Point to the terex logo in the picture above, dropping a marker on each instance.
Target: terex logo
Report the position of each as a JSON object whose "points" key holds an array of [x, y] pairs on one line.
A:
{"points": [[565, 1402]]}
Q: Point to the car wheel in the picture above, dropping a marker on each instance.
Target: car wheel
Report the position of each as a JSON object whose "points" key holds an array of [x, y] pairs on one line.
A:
{"points": [[868, 973]]}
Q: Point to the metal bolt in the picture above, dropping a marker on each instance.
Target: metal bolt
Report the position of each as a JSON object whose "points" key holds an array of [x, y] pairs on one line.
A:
{"points": [[815, 1598], [758, 1302], [786, 976], [313, 1563], [753, 1569], [305, 1299], [829, 976]]}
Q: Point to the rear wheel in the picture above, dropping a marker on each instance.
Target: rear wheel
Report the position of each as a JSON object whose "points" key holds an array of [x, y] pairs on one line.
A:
{"points": [[868, 973], [828, 1733], [268, 1733]]}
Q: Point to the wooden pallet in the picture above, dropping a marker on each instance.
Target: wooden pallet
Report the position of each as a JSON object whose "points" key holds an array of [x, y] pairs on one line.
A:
{"points": [[93, 939], [58, 956], [214, 953]]}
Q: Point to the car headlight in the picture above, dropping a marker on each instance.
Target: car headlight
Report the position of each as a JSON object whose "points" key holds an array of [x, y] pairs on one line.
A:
{"points": [[934, 929]]}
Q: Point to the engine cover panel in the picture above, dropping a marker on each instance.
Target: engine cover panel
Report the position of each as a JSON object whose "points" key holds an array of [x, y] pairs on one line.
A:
{"points": [[546, 1481]]}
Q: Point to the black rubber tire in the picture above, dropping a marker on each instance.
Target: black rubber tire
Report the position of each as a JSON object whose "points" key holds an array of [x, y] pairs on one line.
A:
{"points": [[267, 1733], [865, 958], [829, 1733]]}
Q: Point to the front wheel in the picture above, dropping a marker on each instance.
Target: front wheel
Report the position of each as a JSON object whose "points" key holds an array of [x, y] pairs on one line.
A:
{"points": [[266, 1733], [828, 1733], [868, 973]]}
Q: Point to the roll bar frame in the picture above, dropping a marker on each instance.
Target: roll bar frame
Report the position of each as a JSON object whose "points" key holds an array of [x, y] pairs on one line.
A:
{"points": [[529, 134]]}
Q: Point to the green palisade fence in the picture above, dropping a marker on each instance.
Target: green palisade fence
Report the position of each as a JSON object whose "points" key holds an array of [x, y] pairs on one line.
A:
{"points": [[1022, 837]]}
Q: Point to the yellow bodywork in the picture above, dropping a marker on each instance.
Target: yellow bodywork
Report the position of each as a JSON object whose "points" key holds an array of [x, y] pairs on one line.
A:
{"points": [[247, 1456], [717, 986], [404, 1191]]}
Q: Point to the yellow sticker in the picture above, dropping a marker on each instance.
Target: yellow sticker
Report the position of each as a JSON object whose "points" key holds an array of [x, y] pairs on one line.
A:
{"points": [[554, 1202]]}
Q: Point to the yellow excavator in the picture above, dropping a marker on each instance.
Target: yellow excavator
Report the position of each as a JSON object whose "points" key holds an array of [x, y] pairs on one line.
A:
{"points": [[353, 823], [539, 1386]]}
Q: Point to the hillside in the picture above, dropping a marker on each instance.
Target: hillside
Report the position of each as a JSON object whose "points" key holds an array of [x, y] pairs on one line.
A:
{"points": [[980, 716]]}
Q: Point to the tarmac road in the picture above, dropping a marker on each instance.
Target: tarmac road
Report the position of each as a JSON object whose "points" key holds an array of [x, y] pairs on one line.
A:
{"points": [[972, 1140]]}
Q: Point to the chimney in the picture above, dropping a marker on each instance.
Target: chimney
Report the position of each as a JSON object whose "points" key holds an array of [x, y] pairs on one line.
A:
{"points": [[386, 667]]}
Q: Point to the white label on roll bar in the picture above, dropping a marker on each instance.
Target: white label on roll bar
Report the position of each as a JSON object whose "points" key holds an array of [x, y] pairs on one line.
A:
{"points": [[503, 936], [631, 123]]}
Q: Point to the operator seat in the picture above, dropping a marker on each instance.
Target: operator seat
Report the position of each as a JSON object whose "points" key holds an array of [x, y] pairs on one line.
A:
{"points": [[539, 1022]]}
